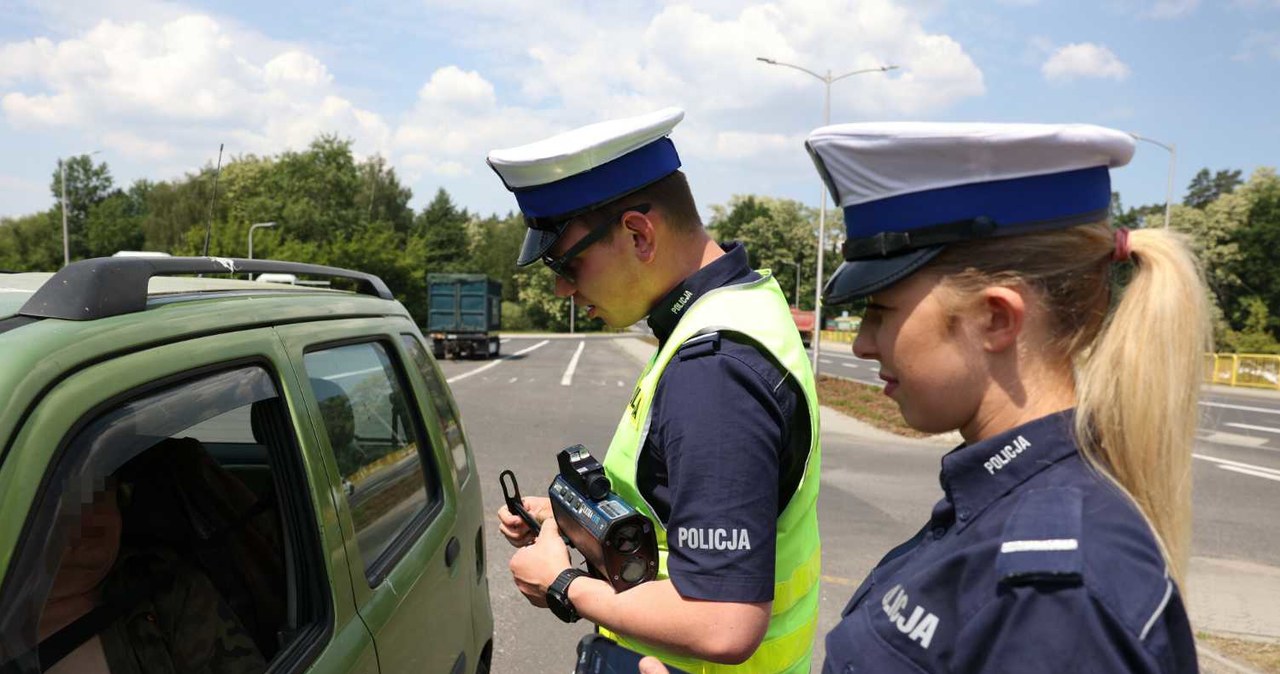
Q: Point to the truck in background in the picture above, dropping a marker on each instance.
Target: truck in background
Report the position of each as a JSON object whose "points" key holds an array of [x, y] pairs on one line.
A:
{"points": [[462, 312], [804, 323]]}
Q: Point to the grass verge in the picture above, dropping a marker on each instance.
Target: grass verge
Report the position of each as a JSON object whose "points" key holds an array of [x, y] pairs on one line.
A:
{"points": [[864, 403], [1261, 655]]}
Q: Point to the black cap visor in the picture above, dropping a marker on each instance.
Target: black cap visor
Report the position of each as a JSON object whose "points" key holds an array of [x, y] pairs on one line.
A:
{"points": [[537, 242], [857, 279]]}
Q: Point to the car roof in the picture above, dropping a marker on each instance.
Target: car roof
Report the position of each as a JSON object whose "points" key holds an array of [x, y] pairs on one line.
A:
{"points": [[17, 289]]}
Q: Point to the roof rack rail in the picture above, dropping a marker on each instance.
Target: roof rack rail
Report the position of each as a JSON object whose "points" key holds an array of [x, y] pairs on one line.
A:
{"points": [[110, 286]]}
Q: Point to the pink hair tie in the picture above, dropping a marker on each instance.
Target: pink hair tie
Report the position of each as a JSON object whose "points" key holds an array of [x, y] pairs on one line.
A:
{"points": [[1122, 245]]}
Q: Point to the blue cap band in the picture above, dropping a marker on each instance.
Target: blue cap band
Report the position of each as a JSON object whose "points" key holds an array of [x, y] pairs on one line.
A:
{"points": [[606, 182], [1012, 202]]}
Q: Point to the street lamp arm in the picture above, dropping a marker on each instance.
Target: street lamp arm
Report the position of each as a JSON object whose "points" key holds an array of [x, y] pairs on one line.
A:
{"points": [[792, 66], [880, 69], [1153, 141]]}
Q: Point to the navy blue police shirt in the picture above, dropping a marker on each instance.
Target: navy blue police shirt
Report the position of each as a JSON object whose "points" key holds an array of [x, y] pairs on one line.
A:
{"points": [[728, 434], [1033, 562]]}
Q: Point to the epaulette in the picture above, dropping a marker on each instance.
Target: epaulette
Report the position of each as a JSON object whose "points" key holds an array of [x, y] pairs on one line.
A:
{"points": [[699, 346], [1041, 539]]}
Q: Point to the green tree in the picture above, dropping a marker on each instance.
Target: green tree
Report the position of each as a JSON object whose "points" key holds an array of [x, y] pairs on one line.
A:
{"points": [[114, 224], [1258, 239], [31, 242], [494, 245], [442, 227], [1205, 188], [87, 184]]}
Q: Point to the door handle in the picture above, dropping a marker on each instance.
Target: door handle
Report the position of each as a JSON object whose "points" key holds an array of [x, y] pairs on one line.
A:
{"points": [[451, 550]]}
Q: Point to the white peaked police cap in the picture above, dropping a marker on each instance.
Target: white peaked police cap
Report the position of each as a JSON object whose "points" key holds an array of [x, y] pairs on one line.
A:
{"points": [[909, 188], [573, 172]]}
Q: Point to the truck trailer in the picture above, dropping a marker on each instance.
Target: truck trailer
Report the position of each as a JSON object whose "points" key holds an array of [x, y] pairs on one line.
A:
{"points": [[463, 312]]}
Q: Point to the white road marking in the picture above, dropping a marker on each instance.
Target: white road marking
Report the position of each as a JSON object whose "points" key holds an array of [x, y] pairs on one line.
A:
{"points": [[619, 383], [513, 380], [1234, 439], [495, 363], [1245, 408], [1246, 471], [1265, 429], [1242, 468], [849, 364], [567, 379]]}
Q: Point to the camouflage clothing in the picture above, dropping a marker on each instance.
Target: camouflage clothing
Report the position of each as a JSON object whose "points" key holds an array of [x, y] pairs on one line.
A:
{"points": [[180, 625]]}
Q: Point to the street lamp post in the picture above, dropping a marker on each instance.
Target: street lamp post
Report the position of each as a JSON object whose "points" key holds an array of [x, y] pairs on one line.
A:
{"points": [[62, 173], [252, 227], [1173, 160], [827, 80]]}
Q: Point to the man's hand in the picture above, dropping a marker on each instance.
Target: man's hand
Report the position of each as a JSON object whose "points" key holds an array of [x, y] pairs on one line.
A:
{"points": [[514, 529], [652, 665], [535, 567]]}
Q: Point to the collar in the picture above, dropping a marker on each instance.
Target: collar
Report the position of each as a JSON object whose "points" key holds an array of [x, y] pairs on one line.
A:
{"points": [[975, 476], [733, 267]]}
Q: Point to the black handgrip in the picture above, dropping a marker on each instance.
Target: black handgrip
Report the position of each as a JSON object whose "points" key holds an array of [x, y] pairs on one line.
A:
{"points": [[515, 503], [451, 551]]}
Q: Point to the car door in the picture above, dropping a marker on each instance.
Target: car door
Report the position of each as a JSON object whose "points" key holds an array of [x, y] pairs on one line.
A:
{"points": [[397, 515], [101, 419]]}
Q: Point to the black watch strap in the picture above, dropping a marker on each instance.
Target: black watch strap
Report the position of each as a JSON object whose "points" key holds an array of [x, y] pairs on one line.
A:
{"points": [[558, 595]]}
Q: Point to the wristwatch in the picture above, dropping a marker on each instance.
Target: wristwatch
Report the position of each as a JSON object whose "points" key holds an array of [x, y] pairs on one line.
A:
{"points": [[558, 595]]}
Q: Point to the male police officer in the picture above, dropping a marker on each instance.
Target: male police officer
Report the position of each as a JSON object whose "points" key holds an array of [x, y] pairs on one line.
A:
{"points": [[719, 442]]}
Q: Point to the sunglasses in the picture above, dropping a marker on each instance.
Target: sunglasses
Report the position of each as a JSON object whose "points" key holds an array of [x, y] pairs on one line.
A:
{"points": [[560, 265]]}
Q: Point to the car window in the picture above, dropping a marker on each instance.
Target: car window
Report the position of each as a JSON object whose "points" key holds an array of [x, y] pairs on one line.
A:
{"points": [[151, 543], [375, 442], [446, 409]]}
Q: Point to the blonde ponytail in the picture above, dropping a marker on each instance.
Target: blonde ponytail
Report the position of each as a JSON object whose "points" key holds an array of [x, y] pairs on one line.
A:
{"points": [[1137, 387], [1137, 349]]}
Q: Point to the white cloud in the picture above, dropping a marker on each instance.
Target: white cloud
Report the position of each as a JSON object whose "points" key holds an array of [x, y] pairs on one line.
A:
{"points": [[163, 89], [701, 56], [1083, 60], [137, 147], [1259, 44], [1171, 9], [739, 145]]}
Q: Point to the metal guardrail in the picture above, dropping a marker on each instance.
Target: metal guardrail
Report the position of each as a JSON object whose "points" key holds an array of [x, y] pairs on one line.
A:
{"points": [[841, 336], [1251, 370], [1248, 370]]}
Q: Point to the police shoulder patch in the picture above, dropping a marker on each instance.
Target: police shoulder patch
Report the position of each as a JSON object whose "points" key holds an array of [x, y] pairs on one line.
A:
{"points": [[700, 345], [1041, 539]]}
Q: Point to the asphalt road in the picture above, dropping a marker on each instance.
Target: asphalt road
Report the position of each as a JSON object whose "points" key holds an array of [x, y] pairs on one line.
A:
{"points": [[877, 489]]}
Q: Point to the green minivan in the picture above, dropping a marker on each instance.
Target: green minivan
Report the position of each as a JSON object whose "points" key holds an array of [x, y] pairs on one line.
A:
{"points": [[204, 473]]}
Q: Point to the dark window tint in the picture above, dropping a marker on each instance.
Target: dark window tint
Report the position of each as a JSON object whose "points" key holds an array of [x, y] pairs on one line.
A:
{"points": [[446, 409], [367, 419], [150, 536]]}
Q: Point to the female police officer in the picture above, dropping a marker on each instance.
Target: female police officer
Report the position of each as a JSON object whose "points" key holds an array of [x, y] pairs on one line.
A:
{"points": [[1001, 304]]}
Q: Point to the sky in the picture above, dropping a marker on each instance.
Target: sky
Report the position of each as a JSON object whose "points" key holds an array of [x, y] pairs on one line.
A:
{"points": [[433, 85]]}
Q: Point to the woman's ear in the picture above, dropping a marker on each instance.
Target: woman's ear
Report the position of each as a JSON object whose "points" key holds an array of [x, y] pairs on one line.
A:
{"points": [[1004, 313], [640, 229]]}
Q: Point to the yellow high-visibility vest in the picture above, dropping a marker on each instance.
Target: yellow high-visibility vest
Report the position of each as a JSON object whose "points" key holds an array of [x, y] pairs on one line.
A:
{"points": [[759, 311]]}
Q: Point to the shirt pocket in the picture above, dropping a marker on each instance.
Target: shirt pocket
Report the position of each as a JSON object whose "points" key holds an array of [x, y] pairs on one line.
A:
{"points": [[855, 647]]}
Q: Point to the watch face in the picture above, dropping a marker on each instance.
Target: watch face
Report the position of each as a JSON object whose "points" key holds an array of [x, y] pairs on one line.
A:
{"points": [[560, 610]]}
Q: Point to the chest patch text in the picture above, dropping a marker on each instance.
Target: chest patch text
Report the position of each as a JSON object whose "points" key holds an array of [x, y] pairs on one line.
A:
{"points": [[1006, 454], [919, 626]]}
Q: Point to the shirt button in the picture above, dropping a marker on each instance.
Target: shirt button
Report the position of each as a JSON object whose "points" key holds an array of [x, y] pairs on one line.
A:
{"points": [[938, 532], [963, 515]]}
